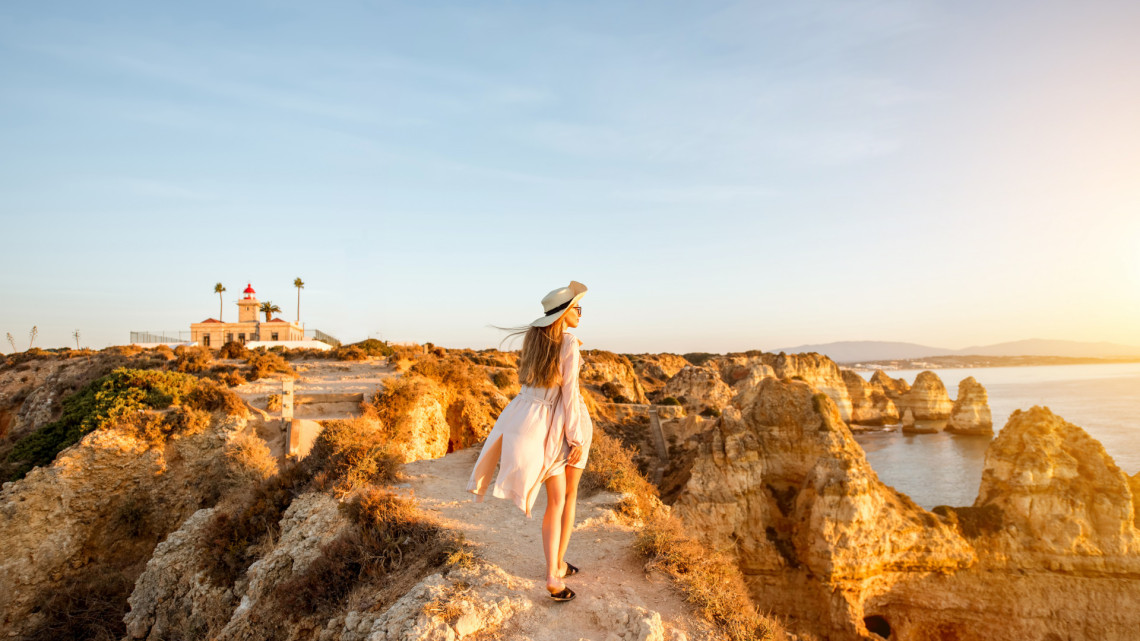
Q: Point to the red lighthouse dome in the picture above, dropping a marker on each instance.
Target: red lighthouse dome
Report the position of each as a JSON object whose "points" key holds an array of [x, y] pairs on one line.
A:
{"points": [[249, 290]]}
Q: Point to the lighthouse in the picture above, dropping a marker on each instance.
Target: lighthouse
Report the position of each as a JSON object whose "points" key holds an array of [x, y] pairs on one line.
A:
{"points": [[247, 307]]}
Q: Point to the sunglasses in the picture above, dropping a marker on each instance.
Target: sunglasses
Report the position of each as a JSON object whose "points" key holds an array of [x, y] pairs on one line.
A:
{"points": [[577, 308]]}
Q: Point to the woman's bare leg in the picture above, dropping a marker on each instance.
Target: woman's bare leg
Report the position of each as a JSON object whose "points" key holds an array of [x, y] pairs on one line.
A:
{"points": [[573, 475], [552, 530]]}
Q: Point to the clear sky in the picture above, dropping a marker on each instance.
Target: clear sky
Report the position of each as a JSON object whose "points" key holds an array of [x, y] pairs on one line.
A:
{"points": [[723, 176]]}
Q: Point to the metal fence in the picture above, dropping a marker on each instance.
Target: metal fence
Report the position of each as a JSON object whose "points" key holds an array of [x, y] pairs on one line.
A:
{"points": [[317, 334], [160, 337]]}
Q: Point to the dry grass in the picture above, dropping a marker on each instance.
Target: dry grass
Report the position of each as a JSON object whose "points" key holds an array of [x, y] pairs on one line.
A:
{"points": [[708, 580], [389, 542], [248, 459], [350, 454], [192, 360], [612, 469], [262, 362], [273, 403], [88, 606], [235, 540], [233, 349]]}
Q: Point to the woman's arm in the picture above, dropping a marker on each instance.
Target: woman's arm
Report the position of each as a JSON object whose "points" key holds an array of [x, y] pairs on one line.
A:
{"points": [[570, 397]]}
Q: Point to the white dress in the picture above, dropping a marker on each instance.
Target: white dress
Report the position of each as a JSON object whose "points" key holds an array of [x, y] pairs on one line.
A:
{"points": [[532, 437]]}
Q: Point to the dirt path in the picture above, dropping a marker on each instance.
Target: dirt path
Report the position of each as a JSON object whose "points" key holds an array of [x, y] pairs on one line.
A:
{"points": [[613, 580]]}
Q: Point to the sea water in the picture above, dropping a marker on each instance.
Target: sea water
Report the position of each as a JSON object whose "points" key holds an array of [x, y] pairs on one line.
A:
{"points": [[946, 469]]}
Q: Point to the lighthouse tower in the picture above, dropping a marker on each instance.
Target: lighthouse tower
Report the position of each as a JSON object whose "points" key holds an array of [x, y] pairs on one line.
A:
{"points": [[247, 307]]}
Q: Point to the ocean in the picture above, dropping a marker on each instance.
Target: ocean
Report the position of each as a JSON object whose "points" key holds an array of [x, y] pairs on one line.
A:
{"points": [[946, 469]]}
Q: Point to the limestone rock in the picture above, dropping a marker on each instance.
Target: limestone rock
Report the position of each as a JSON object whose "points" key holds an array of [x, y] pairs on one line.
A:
{"points": [[927, 398], [782, 484], [1061, 497], [894, 388], [54, 513], [655, 369], [908, 420], [971, 412], [698, 389], [870, 405], [745, 372], [613, 375]]}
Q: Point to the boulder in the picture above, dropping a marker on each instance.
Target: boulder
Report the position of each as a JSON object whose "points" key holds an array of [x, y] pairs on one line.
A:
{"points": [[894, 388], [971, 412]]}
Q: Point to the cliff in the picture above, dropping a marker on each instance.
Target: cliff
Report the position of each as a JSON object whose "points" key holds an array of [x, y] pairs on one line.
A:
{"points": [[612, 376], [1048, 550]]}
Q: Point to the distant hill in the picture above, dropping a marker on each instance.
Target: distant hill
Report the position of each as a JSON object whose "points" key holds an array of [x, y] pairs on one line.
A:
{"points": [[856, 351]]}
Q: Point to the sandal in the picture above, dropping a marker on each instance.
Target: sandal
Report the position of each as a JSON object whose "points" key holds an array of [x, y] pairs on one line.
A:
{"points": [[571, 569], [565, 595]]}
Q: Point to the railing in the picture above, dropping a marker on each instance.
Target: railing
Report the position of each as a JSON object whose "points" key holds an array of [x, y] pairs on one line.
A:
{"points": [[160, 337], [317, 334]]}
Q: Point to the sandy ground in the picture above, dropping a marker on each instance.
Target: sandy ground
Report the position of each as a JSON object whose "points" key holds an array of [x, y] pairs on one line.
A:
{"points": [[600, 547]]}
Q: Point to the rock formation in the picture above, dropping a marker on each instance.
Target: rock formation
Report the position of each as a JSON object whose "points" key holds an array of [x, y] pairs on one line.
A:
{"points": [[892, 387], [612, 375], [971, 412], [745, 371], [698, 389], [927, 398], [870, 404], [783, 484], [59, 518], [655, 369], [1050, 549]]}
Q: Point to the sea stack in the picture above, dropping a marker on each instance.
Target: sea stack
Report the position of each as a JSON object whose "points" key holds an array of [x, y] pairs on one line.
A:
{"points": [[971, 412], [927, 398]]}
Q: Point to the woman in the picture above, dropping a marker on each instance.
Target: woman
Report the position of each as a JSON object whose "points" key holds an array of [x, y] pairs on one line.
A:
{"points": [[543, 436]]}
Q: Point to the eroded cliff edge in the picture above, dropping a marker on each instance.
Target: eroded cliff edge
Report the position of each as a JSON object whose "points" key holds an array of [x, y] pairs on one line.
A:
{"points": [[1049, 550]]}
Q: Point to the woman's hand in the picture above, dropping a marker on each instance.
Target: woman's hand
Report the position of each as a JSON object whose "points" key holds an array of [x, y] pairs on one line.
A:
{"points": [[575, 454]]}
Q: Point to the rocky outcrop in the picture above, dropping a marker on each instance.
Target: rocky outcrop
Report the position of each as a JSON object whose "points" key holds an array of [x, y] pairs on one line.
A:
{"points": [[612, 375], [927, 398], [745, 371], [1061, 497], [870, 405], [894, 388], [101, 494], [655, 369], [698, 389], [782, 483], [971, 412], [1050, 549]]}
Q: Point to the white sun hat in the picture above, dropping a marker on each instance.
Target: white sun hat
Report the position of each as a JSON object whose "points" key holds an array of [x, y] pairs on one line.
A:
{"points": [[558, 301]]}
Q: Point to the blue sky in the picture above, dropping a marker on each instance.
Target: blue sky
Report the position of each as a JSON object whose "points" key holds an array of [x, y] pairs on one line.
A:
{"points": [[723, 176]]}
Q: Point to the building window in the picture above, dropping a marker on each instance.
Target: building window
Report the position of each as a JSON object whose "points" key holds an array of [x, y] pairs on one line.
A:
{"points": [[241, 338], [274, 335], [229, 337], [206, 340]]}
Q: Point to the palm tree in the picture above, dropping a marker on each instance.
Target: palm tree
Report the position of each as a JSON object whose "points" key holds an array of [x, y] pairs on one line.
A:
{"points": [[269, 309], [299, 284], [218, 289]]}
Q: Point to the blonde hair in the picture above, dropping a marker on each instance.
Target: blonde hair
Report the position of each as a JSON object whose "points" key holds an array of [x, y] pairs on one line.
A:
{"points": [[538, 361]]}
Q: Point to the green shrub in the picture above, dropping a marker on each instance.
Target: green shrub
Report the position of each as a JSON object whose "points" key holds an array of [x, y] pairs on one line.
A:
{"points": [[698, 358], [670, 400], [120, 398], [710, 412]]}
